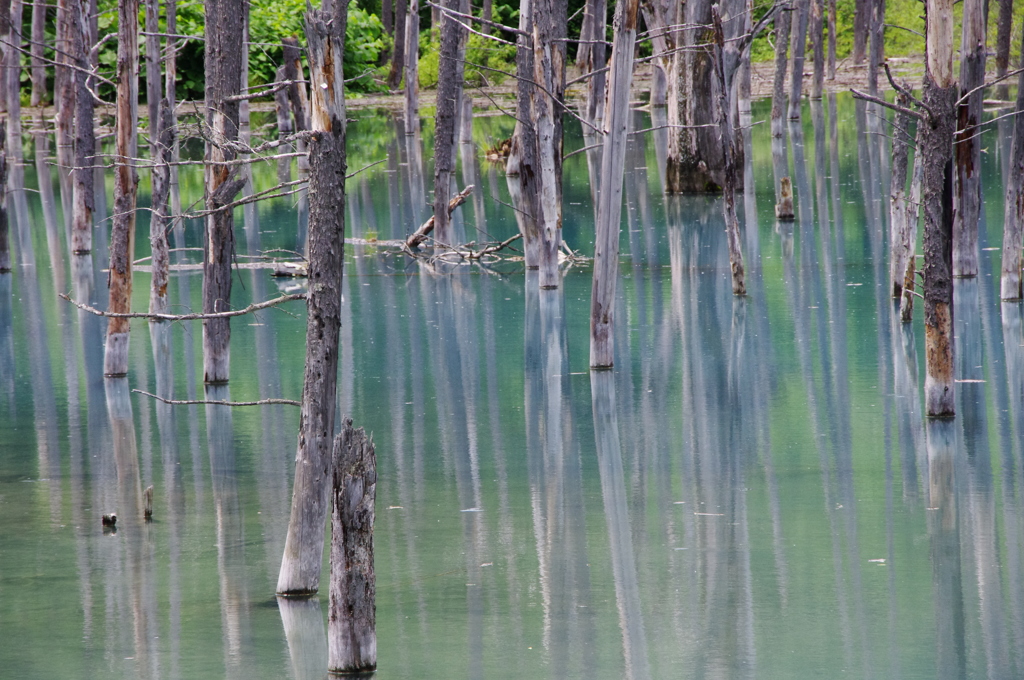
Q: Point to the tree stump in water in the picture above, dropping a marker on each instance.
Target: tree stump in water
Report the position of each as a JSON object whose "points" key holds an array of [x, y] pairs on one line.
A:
{"points": [[352, 618], [784, 208]]}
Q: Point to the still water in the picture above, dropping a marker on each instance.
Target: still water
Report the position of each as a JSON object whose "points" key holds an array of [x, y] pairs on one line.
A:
{"points": [[752, 493]]}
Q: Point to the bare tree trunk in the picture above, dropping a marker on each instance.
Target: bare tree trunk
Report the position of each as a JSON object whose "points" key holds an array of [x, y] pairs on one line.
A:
{"points": [[398, 53], [798, 50], [223, 63], [7, 52], [900, 250], [861, 26], [387, 15], [412, 78], [153, 72], [126, 181], [36, 49], [818, 47], [783, 22], [939, 94], [596, 56], [487, 14], [449, 87], [159, 222], [171, 93], [831, 40], [726, 60], [967, 143], [609, 211], [352, 618], [296, 91], [658, 17], [1013, 224], [303, 551], [83, 191], [64, 98], [1004, 27], [876, 45], [5, 239], [913, 215]]}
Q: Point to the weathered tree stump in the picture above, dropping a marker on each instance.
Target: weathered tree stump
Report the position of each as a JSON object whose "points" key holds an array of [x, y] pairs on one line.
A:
{"points": [[784, 208], [352, 618]]}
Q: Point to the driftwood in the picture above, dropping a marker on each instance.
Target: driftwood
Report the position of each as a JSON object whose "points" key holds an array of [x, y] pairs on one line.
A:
{"points": [[420, 235], [352, 617], [219, 402], [255, 307]]}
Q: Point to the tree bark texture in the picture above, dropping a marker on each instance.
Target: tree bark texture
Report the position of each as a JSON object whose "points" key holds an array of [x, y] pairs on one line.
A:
{"points": [[967, 144], [223, 63], [297, 90], [449, 88], [876, 44], [171, 93], [659, 16], [609, 211], [695, 160], [596, 57], [900, 250], [64, 98], [783, 22], [861, 26], [159, 222], [831, 40], [36, 48], [5, 237], [153, 72], [126, 181], [7, 41], [352, 617], [1013, 223], [1004, 28], [818, 47], [798, 51], [913, 215], [939, 95], [83, 192], [398, 52], [303, 552], [726, 60], [412, 78]]}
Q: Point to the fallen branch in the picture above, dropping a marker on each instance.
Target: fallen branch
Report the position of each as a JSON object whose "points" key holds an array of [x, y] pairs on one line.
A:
{"points": [[254, 307], [881, 102], [221, 402], [420, 235]]}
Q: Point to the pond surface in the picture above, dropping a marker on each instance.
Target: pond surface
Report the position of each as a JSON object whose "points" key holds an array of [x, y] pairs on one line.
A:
{"points": [[752, 492]]}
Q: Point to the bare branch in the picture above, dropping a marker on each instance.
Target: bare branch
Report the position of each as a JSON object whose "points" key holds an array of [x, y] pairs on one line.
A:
{"points": [[492, 24], [902, 90], [877, 100], [255, 307], [221, 402], [420, 235]]}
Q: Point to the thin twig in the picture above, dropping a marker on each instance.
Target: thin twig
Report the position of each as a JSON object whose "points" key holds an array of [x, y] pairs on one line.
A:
{"points": [[586, 148], [876, 100], [492, 24], [988, 84], [255, 307], [902, 90], [221, 402]]}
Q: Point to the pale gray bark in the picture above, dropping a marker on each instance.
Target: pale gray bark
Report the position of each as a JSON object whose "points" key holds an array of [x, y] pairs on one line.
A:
{"points": [[449, 90], [5, 239], [967, 143], [83, 192], [900, 249], [798, 50], [412, 79], [1013, 223], [38, 66], [1004, 26], [783, 21]]}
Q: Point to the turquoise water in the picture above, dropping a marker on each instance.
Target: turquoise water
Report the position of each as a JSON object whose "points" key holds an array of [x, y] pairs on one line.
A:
{"points": [[752, 492]]}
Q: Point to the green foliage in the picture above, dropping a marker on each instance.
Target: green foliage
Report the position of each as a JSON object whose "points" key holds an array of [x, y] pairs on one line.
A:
{"points": [[480, 51]]}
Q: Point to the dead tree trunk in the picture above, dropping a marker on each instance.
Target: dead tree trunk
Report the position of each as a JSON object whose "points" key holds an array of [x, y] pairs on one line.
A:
{"points": [[596, 55], [831, 40], [818, 47], [83, 192], [1004, 26], [303, 551], [913, 215], [36, 48], [694, 153], [171, 93], [876, 44], [726, 59], [967, 144], [153, 72], [658, 17], [861, 26], [5, 237], [1013, 224], [296, 90], [783, 21], [449, 76], [223, 63], [412, 78], [64, 98], [798, 51], [6, 50], [126, 181], [609, 211], [352, 617], [900, 250], [398, 52], [159, 222], [939, 94]]}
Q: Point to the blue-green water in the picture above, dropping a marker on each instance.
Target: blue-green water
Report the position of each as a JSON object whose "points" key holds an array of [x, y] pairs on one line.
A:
{"points": [[752, 493]]}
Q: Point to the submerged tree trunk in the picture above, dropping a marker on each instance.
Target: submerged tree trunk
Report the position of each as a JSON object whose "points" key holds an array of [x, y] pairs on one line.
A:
{"points": [[83, 189], [412, 78], [36, 48], [818, 47], [1013, 224], [352, 618], [876, 44], [1004, 26], [783, 21], [609, 211], [153, 73], [171, 93], [64, 98], [900, 250], [223, 63], [126, 180], [303, 551], [967, 145], [861, 27], [398, 52], [596, 56], [831, 40], [159, 223], [449, 77], [939, 95]]}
